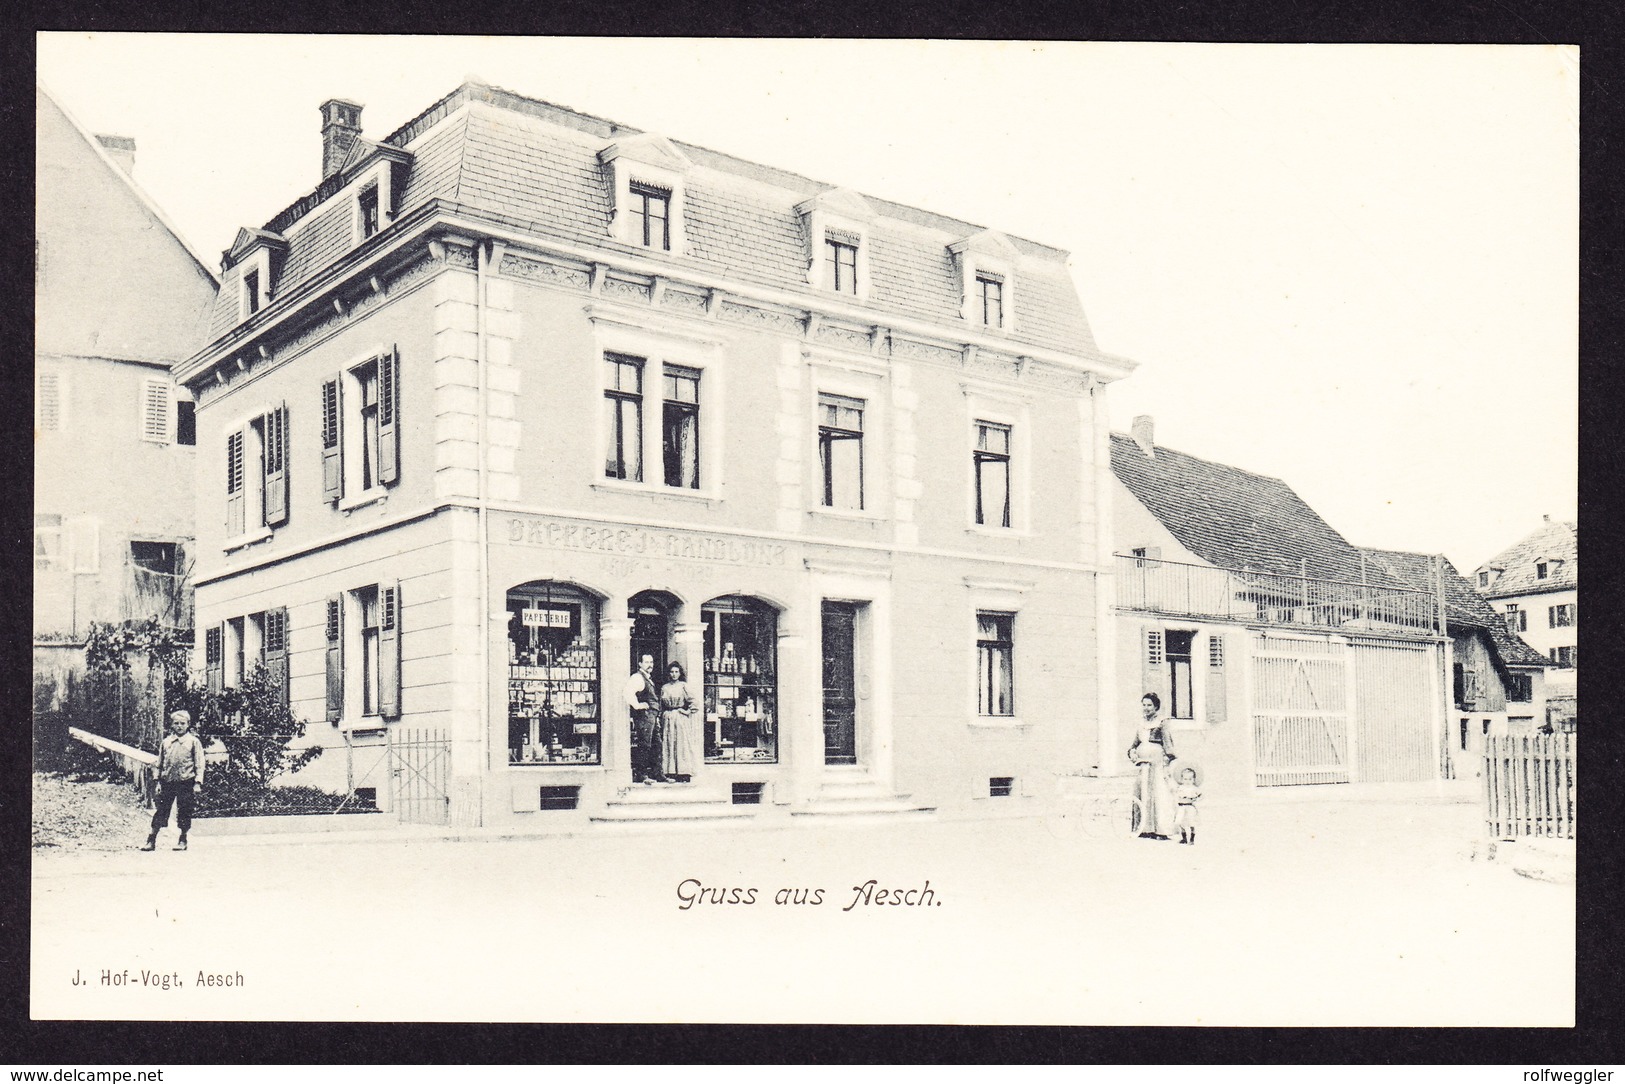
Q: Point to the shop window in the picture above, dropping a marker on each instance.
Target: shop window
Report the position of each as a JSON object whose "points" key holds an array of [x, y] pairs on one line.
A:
{"points": [[995, 664], [554, 683], [1001, 786], [623, 406], [680, 426], [840, 450], [992, 463], [748, 793], [741, 680]]}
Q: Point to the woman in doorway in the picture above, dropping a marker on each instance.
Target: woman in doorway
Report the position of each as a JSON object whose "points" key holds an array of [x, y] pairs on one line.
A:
{"points": [[1152, 750], [680, 744]]}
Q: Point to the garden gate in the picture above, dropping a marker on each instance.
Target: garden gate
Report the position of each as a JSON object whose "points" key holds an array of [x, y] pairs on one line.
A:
{"points": [[419, 764]]}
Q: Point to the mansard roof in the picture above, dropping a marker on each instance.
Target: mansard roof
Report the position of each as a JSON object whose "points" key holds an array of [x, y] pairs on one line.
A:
{"points": [[536, 163]]}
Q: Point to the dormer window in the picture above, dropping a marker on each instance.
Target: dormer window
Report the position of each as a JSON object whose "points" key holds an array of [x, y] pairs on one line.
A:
{"points": [[990, 291], [841, 254], [367, 206], [651, 216], [1483, 579], [987, 270], [835, 225], [1542, 570], [646, 197], [251, 292]]}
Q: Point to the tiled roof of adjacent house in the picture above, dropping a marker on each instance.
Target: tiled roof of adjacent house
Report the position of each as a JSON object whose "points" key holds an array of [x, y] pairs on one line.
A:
{"points": [[526, 160], [1556, 542], [1234, 518], [1463, 605]]}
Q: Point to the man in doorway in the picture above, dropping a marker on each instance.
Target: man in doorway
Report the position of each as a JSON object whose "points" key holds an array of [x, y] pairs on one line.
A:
{"points": [[643, 698], [180, 774]]}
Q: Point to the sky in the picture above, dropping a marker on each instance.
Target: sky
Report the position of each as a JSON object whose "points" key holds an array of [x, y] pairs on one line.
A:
{"points": [[1351, 267]]}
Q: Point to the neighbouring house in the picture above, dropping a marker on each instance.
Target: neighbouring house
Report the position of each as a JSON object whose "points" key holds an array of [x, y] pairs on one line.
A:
{"points": [[1497, 680], [516, 395], [119, 299], [1534, 584], [1283, 655]]}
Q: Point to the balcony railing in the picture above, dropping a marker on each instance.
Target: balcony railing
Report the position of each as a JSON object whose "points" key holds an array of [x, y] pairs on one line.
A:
{"points": [[1156, 586]]}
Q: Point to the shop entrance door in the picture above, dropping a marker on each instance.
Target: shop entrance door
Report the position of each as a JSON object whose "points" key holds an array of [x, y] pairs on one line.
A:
{"points": [[650, 612], [840, 684]]}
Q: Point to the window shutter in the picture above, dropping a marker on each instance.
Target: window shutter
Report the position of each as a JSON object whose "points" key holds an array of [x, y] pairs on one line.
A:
{"points": [[276, 466], [235, 505], [1152, 668], [389, 650], [155, 398], [389, 408], [335, 658], [332, 442], [214, 658], [1217, 684], [276, 649]]}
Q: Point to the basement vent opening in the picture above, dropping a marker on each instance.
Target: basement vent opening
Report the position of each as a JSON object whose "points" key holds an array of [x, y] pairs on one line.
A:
{"points": [[366, 798], [1001, 786], [748, 793], [560, 797]]}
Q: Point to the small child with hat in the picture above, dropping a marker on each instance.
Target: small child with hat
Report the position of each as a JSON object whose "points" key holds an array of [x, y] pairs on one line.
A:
{"points": [[1186, 795]]}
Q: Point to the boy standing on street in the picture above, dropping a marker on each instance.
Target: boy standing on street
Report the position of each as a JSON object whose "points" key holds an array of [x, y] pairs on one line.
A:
{"points": [[180, 774]]}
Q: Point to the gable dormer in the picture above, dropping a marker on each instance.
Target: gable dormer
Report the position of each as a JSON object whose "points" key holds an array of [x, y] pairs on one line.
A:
{"points": [[987, 262], [836, 227], [646, 197], [374, 175], [251, 264]]}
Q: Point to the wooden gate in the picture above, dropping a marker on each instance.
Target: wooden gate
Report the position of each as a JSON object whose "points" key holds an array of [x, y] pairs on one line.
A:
{"points": [[1395, 707], [1300, 712], [419, 764], [1529, 786]]}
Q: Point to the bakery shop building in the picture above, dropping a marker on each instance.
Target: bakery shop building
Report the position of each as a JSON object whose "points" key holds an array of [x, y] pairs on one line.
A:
{"points": [[517, 396]]}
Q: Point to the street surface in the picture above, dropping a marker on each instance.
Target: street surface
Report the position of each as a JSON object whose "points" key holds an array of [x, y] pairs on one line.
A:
{"points": [[1284, 913]]}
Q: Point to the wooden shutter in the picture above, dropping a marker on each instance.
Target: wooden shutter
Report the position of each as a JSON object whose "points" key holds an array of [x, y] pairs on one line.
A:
{"points": [[389, 409], [276, 466], [1154, 665], [276, 648], [332, 440], [335, 658], [235, 504], [214, 658], [1217, 685], [389, 650]]}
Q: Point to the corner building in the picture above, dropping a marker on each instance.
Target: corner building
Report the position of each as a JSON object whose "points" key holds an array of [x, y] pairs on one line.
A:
{"points": [[517, 395]]}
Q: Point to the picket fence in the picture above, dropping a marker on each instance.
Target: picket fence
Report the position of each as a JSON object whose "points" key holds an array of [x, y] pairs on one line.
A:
{"points": [[1529, 784]]}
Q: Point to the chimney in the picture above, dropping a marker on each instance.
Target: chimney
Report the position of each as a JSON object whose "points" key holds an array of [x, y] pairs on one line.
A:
{"points": [[341, 127], [1142, 431], [121, 149]]}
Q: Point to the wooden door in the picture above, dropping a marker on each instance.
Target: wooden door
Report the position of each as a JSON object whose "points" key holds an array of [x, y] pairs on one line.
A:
{"points": [[840, 683], [1300, 712]]}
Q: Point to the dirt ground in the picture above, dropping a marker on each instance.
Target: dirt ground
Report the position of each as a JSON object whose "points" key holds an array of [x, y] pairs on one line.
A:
{"points": [[85, 814], [1286, 913]]}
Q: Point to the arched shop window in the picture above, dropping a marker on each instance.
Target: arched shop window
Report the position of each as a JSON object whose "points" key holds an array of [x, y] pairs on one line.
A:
{"points": [[741, 680], [554, 704]]}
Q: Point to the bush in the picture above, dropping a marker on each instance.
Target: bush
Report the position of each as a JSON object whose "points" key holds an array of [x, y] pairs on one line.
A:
{"points": [[231, 793]]}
